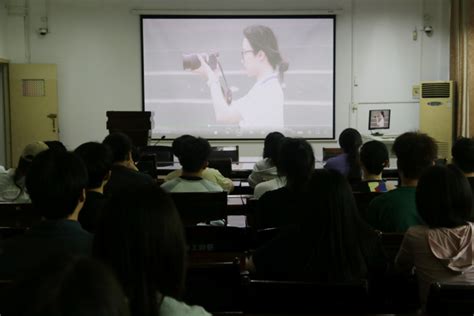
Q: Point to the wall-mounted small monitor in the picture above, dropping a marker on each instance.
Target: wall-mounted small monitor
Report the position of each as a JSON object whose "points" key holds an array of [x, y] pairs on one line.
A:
{"points": [[379, 119]]}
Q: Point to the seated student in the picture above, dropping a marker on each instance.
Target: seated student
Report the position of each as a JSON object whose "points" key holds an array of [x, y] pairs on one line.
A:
{"points": [[329, 242], [395, 211], [124, 172], [57, 184], [296, 163], [142, 239], [210, 174], [265, 169], [373, 159], [463, 157], [12, 181], [77, 286], [347, 163], [193, 157], [441, 250], [98, 160], [55, 145]]}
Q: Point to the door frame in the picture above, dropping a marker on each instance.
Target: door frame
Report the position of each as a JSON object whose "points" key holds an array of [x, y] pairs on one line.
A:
{"points": [[6, 112]]}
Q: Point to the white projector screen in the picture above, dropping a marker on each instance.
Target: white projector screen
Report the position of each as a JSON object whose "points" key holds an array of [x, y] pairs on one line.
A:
{"points": [[252, 52]]}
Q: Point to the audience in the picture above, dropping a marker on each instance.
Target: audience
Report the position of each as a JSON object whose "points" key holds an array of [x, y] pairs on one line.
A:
{"points": [[56, 145], [395, 211], [441, 250], [193, 155], [347, 163], [142, 239], [73, 286], [265, 169], [56, 183], [373, 159], [12, 181], [98, 161], [463, 157], [210, 174], [328, 243], [124, 172], [296, 163]]}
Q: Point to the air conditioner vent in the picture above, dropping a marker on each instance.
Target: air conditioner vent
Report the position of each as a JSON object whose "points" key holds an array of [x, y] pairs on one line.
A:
{"points": [[435, 90]]}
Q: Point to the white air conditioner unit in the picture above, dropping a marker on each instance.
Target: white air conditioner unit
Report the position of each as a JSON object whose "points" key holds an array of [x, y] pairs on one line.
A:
{"points": [[437, 114]]}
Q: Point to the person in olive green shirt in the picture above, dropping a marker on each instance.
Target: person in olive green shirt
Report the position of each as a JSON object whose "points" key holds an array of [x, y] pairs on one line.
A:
{"points": [[395, 211]]}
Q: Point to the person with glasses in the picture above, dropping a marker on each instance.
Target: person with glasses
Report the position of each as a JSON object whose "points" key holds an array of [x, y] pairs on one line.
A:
{"points": [[262, 106]]}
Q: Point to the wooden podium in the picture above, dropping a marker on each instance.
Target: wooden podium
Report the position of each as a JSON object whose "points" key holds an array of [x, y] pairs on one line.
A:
{"points": [[136, 124]]}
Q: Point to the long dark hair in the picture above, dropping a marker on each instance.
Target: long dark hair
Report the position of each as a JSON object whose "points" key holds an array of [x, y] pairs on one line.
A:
{"points": [[444, 197], [350, 140], [272, 145], [335, 230], [262, 38], [296, 162], [141, 237]]}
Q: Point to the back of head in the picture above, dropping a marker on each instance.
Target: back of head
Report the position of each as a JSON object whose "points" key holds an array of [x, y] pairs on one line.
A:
{"points": [[29, 153], [333, 224], [350, 140], [120, 144], [271, 146], [141, 237], [415, 152], [295, 162], [97, 158], [176, 145], [72, 286], [194, 153], [55, 183], [463, 154], [444, 197], [55, 145], [374, 155]]}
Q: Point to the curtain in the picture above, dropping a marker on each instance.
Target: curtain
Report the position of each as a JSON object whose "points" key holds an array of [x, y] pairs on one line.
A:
{"points": [[462, 64]]}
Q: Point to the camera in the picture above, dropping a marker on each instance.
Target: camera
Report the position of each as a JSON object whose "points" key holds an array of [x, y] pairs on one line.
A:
{"points": [[192, 62]]}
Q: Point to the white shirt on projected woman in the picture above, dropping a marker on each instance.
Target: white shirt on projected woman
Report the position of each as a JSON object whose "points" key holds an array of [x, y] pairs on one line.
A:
{"points": [[261, 107]]}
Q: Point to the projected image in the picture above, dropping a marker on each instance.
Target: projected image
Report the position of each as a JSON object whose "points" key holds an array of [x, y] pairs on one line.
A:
{"points": [[239, 78], [379, 119]]}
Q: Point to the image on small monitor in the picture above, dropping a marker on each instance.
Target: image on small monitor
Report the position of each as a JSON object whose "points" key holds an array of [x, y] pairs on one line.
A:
{"points": [[379, 119]]}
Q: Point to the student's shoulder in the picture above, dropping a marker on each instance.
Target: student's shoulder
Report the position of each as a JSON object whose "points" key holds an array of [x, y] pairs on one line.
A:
{"points": [[211, 186]]}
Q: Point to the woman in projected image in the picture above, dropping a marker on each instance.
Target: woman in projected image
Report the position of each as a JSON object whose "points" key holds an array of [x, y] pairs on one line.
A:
{"points": [[380, 119], [262, 106]]}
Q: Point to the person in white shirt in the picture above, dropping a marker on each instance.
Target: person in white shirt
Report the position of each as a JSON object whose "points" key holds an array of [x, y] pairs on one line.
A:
{"points": [[265, 169], [210, 174], [193, 157], [12, 181], [262, 106], [380, 119]]}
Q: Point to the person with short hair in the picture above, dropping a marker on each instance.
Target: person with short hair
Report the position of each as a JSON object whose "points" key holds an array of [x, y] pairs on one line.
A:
{"points": [[210, 174], [12, 181], [296, 163], [328, 242], [265, 169], [441, 248], [347, 163], [56, 183], [125, 173], [395, 211], [193, 157], [98, 160], [68, 285], [463, 157], [373, 159], [142, 239]]}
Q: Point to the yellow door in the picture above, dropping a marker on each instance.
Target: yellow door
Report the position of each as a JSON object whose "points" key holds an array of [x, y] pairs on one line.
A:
{"points": [[33, 105]]}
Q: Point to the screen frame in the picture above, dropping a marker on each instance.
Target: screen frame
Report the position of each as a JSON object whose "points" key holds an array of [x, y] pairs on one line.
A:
{"points": [[389, 120], [246, 16]]}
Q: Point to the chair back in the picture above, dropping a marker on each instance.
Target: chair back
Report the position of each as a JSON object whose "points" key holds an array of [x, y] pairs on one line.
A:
{"points": [[200, 207]]}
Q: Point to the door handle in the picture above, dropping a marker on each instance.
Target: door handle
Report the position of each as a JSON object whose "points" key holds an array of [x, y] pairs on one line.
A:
{"points": [[53, 117]]}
